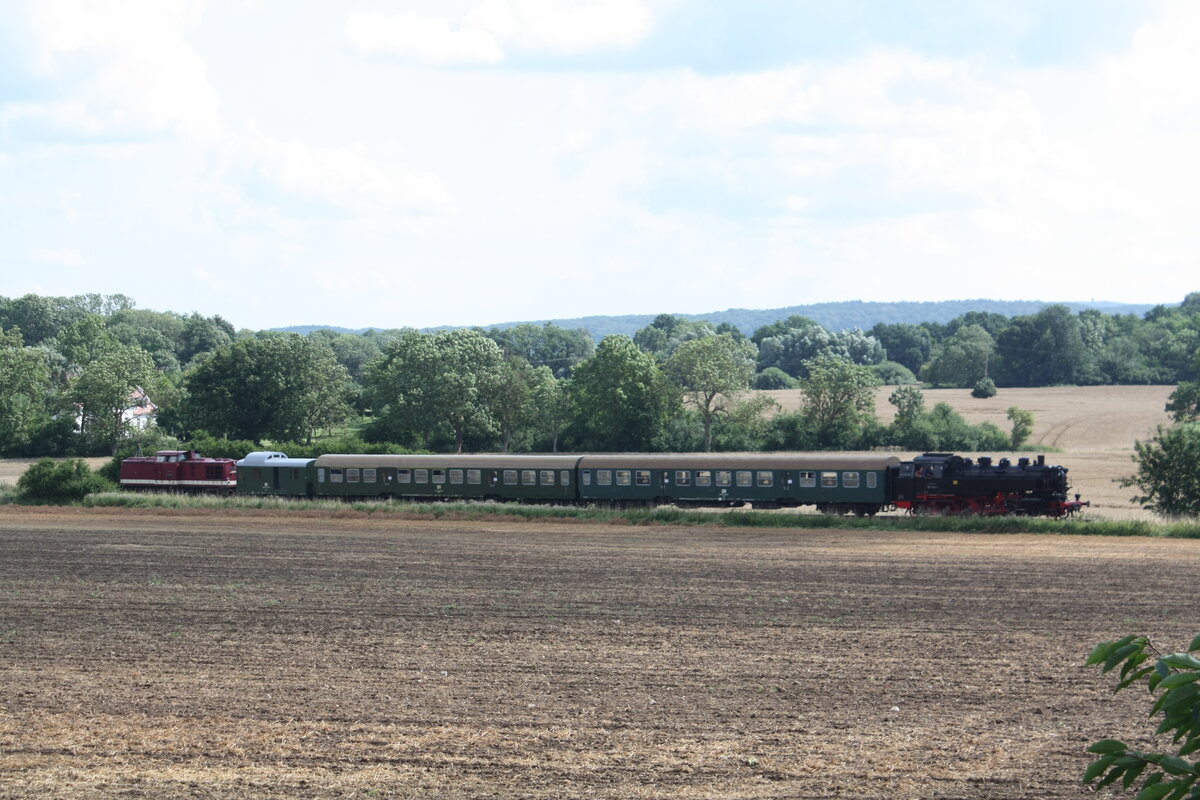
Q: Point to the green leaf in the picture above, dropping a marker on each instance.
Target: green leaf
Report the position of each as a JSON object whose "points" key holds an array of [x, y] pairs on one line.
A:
{"points": [[1108, 746], [1100, 653], [1195, 645], [1179, 679], [1097, 767], [1176, 766], [1155, 790], [1119, 655], [1181, 661], [1132, 774]]}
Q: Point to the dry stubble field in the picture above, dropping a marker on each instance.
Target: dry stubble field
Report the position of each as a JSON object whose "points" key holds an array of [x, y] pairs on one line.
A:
{"points": [[236, 655]]}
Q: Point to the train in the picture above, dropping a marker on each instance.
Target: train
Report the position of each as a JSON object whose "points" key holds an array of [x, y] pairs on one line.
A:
{"points": [[833, 483]]}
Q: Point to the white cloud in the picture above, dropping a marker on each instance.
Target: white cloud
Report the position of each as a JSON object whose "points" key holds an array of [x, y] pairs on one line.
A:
{"points": [[425, 39], [494, 28], [564, 26], [349, 177], [58, 257], [148, 76]]}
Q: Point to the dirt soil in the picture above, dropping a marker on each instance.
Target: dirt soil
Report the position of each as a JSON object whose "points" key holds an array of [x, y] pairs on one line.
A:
{"points": [[148, 654]]}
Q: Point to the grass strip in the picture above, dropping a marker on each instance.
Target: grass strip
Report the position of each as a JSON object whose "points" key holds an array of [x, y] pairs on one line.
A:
{"points": [[661, 516]]}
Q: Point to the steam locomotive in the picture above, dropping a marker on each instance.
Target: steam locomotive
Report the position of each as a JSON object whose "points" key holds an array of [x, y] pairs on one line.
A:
{"points": [[933, 483]]}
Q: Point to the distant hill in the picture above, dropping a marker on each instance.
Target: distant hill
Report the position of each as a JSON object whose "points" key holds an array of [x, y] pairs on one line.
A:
{"points": [[832, 316]]}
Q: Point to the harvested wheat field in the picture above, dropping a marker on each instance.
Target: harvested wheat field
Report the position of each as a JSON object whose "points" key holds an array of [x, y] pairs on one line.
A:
{"points": [[243, 655], [1090, 430]]}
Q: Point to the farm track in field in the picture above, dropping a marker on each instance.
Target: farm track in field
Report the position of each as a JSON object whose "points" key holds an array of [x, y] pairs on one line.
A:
{"points": [[191, 655]]}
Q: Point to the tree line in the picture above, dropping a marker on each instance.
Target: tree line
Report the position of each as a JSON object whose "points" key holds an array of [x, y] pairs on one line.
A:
{"points": [[69, 365]]}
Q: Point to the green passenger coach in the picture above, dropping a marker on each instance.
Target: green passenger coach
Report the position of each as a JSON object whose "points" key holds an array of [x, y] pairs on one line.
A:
{"points": [[832, 483], [536, 479]]}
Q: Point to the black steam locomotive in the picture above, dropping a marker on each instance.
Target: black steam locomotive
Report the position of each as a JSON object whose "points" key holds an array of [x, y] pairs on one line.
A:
{"points": [[944, 483]]}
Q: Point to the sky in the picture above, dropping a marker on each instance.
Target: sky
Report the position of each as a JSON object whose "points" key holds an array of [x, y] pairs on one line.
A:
{"points": [[468, 162]]}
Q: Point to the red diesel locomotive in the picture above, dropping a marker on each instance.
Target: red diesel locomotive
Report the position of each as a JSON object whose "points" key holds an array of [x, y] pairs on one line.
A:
{"points": [[179, 471]]}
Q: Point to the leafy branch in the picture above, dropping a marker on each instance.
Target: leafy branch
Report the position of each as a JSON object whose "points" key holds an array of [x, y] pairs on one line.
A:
{"points": [[1175, 679]]}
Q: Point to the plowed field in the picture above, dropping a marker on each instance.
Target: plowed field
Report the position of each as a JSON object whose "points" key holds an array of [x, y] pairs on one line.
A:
{"points": [[235, 654]]}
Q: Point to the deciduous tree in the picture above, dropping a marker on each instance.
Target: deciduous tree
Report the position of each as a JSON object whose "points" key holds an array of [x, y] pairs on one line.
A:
{"points": [[713, 372], [621, 398]]}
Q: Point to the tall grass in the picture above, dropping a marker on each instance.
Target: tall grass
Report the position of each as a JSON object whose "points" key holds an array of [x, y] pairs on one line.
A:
{"points": [[659, 516]]}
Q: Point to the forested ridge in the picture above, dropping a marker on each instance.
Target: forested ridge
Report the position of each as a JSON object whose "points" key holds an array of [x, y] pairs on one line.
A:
{"points": [[71, 367]]}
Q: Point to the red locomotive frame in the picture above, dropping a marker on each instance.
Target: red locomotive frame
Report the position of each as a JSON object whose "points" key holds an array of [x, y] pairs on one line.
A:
{"points": [[179, 471]]}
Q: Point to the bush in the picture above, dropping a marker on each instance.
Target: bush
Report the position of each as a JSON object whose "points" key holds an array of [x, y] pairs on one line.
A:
{"points": [[1166, 471], [890, 373], [774, 378], [984, 388], [49, 481]]}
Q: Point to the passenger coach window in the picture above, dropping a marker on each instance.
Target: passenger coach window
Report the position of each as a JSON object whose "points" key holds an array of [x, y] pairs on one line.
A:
{"points": [[529, 477], [369, 476], [421, 476], [456, 476], [703, 477], [624, 477], [808, 480], [547, 477], [587, 477], [439, 476], [404, 476], [474, 477], [642, 476], [850, 480], [744, 478], [828, 480], [683, 478], [335, 476], [510, 477], [564, 477], [604, 477], [353, 475], [766, 478], [872, 480], [320, 475], [724, 477]]}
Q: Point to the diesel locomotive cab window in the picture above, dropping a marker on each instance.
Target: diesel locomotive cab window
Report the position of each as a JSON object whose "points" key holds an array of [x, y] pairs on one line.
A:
{"points": [[604, 477], [808, 480], [724, 477], [766, 478], [439, 476], [872, 480], [353, 475], [850, 480], [420, 476], [642, 476], [474, 477], [335, 476], [456, 476], [745, 478], [828, 480], [510, 477], [703, 477], [683, 478], [547, 477]]}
